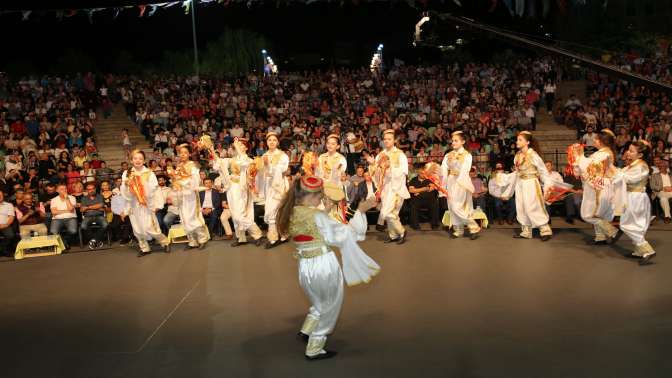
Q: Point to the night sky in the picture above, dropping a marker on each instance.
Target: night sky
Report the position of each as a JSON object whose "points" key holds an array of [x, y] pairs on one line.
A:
{"points": [[325, 28]]}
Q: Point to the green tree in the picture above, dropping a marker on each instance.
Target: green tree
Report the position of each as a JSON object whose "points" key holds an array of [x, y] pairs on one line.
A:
{"points": [[73, 61], [235, 52]]}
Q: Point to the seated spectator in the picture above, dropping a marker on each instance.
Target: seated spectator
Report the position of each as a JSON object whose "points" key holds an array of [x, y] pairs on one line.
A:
{"points": [[423, 196], [32, 218], [365, 190], [480, 189], [661, 186], [172, 212], [93, 212], [45, 198], [46, 167], [505, 211], [569, 201], [160, 196], [104, 172], [120, 227], [72, 177], [210, 205], [64, 215], [7, 233], [106, 192], [225, 217], [87, 173]]}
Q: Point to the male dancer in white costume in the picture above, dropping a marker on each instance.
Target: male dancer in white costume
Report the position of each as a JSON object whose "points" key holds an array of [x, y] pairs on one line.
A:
{"points": [[390, 167]]}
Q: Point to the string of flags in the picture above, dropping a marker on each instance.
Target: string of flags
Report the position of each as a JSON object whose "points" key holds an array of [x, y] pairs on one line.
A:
{"points": [[515, 7], [144, 10]]}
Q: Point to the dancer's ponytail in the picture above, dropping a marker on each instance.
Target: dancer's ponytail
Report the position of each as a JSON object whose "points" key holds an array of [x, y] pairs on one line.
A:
{"points": [[287, 207]]}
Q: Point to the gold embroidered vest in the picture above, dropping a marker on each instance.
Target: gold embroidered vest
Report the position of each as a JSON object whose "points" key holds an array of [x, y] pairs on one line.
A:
{"points": [[303, 230], [455, 160], [526, 170], [639, 186]]}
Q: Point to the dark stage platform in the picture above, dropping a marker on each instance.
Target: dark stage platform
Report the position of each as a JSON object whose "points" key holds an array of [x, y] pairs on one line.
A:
{"points": [[495, 307]]}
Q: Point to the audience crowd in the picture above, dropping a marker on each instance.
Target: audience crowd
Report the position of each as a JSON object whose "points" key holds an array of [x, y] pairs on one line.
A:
{"points": [[54, 182]]}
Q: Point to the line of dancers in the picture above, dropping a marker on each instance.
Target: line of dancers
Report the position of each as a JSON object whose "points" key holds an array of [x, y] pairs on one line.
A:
{"points": [[312, 211], [607, 190]]}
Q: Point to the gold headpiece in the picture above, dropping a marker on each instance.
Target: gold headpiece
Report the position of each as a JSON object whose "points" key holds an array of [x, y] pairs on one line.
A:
{"points": [[389, 131], [525, 132], [272, 134], [338, 139], [609, 132]]}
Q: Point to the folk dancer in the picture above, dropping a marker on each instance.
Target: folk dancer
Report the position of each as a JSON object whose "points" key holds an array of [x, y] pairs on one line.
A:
{"points": [[274, 185], [331, 166], [240, 194], [597, 173], [633, 200], [139, 187], [390, 167], [525, 182], [457, 183], [186, 180], [314, 232]]}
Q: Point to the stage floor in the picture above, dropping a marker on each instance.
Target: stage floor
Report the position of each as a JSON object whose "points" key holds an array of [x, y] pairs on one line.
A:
{"points": [[495, 307]]}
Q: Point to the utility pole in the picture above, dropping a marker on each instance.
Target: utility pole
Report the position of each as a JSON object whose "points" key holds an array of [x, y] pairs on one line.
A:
{"points": [[193, 29]]}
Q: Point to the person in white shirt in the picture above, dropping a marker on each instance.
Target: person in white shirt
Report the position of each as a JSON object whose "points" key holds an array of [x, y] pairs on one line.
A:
{"points": [[172, 212], [589, 137], [661, 185], [7, 216], [505, 211], [160, 200], [237, 131], [63, 214], [549, 92], [121, 225]]}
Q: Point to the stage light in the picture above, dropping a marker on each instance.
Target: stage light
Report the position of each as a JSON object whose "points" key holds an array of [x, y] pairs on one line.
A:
{"points": [[377, 59], [269, 66], [459, 41]]}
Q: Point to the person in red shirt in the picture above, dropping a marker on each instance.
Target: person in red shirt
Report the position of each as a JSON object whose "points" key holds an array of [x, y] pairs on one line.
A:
{"points": [[474, 144], [18, 128], [532, 97]]}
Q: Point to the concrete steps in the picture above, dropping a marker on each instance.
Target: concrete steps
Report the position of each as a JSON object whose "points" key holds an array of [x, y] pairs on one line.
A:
{"points": [[578, 88], [108, 138]]}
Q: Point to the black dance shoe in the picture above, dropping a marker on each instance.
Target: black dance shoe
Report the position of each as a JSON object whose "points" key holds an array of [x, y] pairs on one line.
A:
{"points": [[597, 242], [302, 337], [390, 240], [647, 260], [322, 356], [545, 238], [380, 228], [237, 243], [474, 235], [143, 254], [401, 239], [615, 238]]}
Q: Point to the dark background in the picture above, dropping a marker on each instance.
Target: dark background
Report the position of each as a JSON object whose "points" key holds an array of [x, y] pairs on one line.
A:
{"points": [[301, 35]]}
